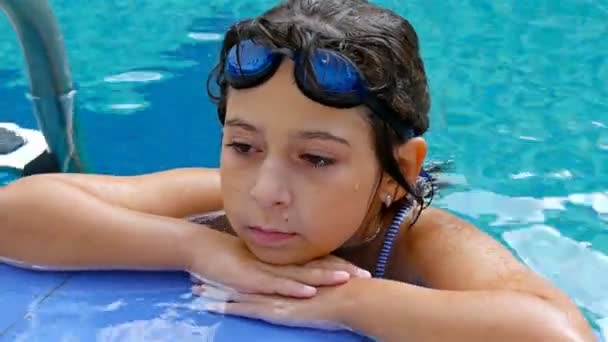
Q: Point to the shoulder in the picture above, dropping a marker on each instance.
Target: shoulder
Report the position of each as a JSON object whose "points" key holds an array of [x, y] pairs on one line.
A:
{"points": [[441, 247], [435, 223], [446, 252]]}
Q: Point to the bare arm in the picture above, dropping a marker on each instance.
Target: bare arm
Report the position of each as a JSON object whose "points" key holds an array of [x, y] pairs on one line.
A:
{"points": [[53, 223], [173, 193], [412, 313], [89, 222], [477, 292]]}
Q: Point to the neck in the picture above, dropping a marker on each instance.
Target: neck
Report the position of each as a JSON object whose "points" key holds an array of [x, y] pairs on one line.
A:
{"points": [[364, 253]]}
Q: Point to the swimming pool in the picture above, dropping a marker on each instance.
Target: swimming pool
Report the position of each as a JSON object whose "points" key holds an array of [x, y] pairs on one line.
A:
{"points": [[520, 104]]}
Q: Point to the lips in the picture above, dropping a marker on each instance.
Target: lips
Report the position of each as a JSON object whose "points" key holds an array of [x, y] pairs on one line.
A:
{"points": [[265, 236]]}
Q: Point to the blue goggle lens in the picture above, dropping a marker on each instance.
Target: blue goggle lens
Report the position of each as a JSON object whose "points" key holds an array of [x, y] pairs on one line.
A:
{"points": [[249, 59], [334, 73]]}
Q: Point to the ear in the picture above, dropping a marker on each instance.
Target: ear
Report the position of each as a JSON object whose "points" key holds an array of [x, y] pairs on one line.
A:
{"points": [[410, 157]]}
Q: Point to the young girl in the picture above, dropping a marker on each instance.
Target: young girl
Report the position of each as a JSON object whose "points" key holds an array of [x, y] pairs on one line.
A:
{"points": [[324, 104]]}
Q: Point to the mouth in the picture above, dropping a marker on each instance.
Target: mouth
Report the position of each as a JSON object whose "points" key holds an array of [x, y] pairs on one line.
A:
{"points": [[268, 237]]}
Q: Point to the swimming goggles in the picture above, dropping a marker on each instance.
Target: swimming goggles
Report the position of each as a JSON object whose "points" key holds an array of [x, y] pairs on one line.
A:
{"points": [[335, 80]]}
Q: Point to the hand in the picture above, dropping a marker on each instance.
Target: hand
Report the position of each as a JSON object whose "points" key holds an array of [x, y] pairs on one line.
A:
{"points": [[222, 260], [319, 312]]}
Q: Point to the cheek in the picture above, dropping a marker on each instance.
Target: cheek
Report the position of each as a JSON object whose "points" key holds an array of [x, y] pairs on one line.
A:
{"points": [[337, 206], [234, 178]]}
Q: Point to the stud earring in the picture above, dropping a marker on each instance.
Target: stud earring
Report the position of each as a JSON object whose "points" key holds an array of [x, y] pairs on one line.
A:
{"points": [[388, 200]]}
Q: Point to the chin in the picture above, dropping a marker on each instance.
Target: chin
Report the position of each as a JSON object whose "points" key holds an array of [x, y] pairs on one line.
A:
{"points": [[280, 256]]}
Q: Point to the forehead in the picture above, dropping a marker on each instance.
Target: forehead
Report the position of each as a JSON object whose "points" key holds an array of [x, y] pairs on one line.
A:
{"points": [[279, 103]]}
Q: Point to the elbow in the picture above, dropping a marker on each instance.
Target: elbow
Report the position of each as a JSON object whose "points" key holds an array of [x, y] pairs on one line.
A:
{"points": [[21, 184], [562, 325], [547, 319], [12, 199], [563, 333], [23, 195], [28, 187]]}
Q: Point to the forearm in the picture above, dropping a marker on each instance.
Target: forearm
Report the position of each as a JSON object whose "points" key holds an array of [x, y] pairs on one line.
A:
{"points": [[174, 193], [180, 192], [410, 313], [57, 226]]}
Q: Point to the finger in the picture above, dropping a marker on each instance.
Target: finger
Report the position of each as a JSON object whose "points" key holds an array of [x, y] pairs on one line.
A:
{"points": [[271, 284], [215, 294], [273, 315], [198, 279], [239, 309], [351, 269], [338, 264], [262, 312], [195, 280], [263, 282], [249, 310], [309, 275]]}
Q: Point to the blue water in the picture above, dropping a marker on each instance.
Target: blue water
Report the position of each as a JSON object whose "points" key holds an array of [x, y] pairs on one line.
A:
{"points": [[520, 104]]}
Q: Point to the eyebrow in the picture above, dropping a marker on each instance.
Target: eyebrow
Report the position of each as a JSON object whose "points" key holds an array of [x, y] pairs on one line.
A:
{"points": [[241, 124], [307, 135]]}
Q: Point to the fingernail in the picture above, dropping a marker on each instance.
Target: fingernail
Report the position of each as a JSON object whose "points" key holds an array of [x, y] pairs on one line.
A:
{"points": [[307, 291], [215, 307], [194, 290], [364, 273], [340, 275]]}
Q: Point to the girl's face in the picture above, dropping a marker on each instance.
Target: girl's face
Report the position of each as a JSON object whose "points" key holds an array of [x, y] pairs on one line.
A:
{"points": [[298, 177]]}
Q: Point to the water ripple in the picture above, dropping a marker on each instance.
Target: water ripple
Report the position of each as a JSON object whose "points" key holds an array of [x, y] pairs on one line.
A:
{"points": [[134, 76], [575, 268]]}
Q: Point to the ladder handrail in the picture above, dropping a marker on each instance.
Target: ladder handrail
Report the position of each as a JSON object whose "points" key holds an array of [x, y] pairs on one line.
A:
{"points": [[51, 89]]}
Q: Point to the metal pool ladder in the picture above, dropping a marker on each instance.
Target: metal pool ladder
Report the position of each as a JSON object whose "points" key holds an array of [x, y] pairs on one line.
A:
{"points": [[51, 90]]}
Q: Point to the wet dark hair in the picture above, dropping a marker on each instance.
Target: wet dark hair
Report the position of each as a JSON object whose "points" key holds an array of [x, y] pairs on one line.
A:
{"points": [[382, 44]]}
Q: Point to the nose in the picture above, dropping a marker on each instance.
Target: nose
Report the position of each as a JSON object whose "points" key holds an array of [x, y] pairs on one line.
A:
{"points": [[270, 187]]}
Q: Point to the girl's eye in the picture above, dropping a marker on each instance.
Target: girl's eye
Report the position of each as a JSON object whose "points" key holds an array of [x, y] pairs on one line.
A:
{"points": [[241, 148], [317, 161]]}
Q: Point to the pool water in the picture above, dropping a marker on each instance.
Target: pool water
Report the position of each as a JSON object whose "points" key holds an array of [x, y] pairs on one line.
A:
{"points": [[520, 104]]}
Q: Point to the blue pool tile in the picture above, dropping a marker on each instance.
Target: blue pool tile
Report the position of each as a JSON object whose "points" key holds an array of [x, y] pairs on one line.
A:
{"points": [[21, 290], [126, 306]]}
